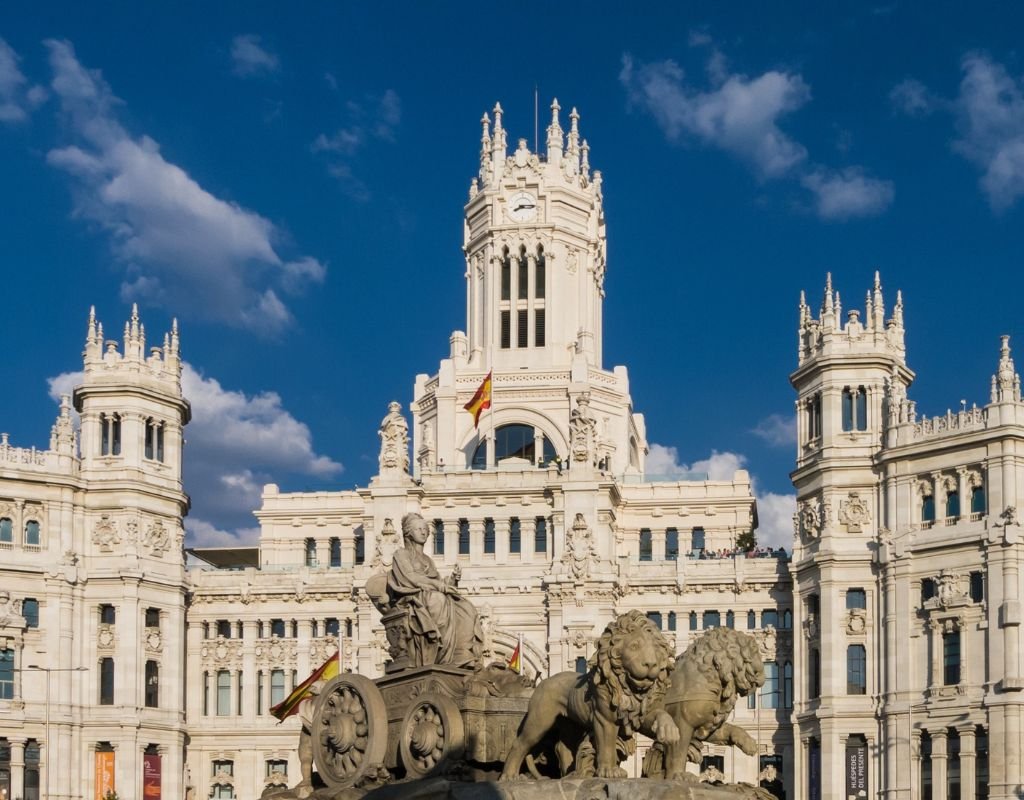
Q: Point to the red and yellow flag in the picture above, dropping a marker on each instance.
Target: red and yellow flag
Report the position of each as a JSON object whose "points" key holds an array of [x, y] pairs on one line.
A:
{"points": [[515, 661], [329, 669], [481, 400]]}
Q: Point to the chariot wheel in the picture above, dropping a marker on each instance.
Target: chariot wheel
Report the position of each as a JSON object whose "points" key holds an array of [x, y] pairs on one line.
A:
{"points": [[432, 735], [349, 730]]}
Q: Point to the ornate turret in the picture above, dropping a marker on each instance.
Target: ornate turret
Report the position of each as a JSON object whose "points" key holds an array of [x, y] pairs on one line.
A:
{"points": [[1006, 381]]}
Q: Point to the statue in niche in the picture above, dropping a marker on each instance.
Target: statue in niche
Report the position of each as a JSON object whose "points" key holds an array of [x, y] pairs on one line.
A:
{"points": [[394, 441], [440, 626], [580, 552], [582, 431]]}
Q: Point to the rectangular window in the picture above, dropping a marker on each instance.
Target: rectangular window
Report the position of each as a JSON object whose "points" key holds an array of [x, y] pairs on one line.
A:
{"points": [[581, 665], [277, 766], [539, 276], [538, 327], [671, 620], [224, 768], [522, 328], [506, 278], [32, 533], [927, 589], [646, 548], [856, 598], [977, 587], [693, 620], [978, 500], [224, 628], [152, 690], [152, 617], [951, 658], [260, 688], [463, 537], [856, 669], [7, 674], [928, 509], [206, 694], [655, 617], [523, 278], [770, 689], [671, 544], [438, 537], [953, 504], [276, 686], [107, 614], [847, 410], [698, 540], [311, 553], [332, 626], [506, 329], [238, 694], [489, 536], [751, 620], [861, 409], [712, 619], [787, 685], [277, 628], [360, 547], [770, 616], [223, 693], [6, 530], [814, 674], [30, 611], [106, 681], [160, 443], [540, 538], [514, 536], [335, 551]]}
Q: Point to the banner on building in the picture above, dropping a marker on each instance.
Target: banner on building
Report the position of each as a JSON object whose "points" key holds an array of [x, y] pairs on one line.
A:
{"points": [[856, 770], [104, 773], [151, 776]]}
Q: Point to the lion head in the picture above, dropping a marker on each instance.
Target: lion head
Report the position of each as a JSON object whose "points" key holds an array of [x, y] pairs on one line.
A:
{"points": [[631, 666], [730, 659]]}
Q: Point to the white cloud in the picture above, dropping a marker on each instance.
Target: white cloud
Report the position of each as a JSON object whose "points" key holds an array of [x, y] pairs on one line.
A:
{"points": [[17, 98], [990, 109], [234, 444], [848, 193], [739, 114], [775, 520], [774, 511], [913, 98], [777, 430], [201, 533], [250, 58], [376, 119], [663, 461], [180, 245]]}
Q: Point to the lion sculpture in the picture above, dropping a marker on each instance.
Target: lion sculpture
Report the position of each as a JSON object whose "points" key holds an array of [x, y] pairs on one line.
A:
{"points": [[620, 694], [714, 672]]}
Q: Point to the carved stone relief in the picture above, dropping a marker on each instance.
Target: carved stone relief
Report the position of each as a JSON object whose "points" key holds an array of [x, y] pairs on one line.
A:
{"points": [[106, 534], [854, 513]]}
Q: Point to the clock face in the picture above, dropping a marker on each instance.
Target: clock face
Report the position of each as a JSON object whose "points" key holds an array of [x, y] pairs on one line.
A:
{"points": [[522, 206]]}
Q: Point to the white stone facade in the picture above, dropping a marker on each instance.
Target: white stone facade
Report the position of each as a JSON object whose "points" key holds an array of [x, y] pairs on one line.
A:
{"points": [[546, 508]]}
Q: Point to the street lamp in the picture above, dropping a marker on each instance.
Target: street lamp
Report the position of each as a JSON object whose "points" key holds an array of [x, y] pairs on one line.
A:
{"points": [[49, 744]]}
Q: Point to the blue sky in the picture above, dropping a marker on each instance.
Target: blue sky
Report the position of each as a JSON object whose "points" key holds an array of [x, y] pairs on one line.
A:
{"points": [[290, 185]]}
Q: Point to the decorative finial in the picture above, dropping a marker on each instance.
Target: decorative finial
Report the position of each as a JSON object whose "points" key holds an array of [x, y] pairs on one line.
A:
{"points": [[585, 161], [878, 281]]}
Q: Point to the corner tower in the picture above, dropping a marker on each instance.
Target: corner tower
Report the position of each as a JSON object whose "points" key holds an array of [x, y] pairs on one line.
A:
{"points": [[847, 368]]}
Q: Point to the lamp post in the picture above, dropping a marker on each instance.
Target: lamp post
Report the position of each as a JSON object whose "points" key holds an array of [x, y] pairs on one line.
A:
{"points": [[49, 744]]}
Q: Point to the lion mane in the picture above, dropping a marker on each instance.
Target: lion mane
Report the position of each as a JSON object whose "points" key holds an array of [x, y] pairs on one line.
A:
{"points": [[728, 659], [608, 675]]}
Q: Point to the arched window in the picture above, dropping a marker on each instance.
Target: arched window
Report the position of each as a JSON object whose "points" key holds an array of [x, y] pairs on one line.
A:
{"points": [[655, 617], [539, 274], [335, 545], [110, 434], [671, 620], [516, 441], [787, 685], [751, 620], [855, 409], [730, 619], [438, 537], [32, 533], [6, 530], [310, 552], [787, 620], [978, 500], [693, 620], [463, 537], [506, 275], [953, 503], [581, 665]]}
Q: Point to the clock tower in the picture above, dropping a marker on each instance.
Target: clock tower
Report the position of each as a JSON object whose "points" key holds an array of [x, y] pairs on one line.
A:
{"points": [[536, 254]]}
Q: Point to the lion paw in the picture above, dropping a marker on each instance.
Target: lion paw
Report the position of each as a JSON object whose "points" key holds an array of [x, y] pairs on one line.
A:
{"points": [[612, 772]]}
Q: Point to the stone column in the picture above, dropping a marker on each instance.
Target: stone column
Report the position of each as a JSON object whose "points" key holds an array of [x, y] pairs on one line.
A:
{"points": [[18, 767], [528, 531], [502, 528], [964, 490], [968, 761], [939, 758], [935, 648], [476, 541]]}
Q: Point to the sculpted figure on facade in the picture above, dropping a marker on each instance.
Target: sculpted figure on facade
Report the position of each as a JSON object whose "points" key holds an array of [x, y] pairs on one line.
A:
{"points": [[394, 441], [583, 432], [580, 553], [440, 626], [720, 667], [597, 714]]}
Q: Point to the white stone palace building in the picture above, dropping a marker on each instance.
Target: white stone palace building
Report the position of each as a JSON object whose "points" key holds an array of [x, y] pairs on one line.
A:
{"points": [[891, 639]]}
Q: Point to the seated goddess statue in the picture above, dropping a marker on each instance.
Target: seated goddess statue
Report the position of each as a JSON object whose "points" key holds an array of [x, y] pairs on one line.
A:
{"points": [[444, 627]]}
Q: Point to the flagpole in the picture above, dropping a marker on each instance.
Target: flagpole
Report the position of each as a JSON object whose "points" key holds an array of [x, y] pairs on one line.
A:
{"points": [[494, 436]]}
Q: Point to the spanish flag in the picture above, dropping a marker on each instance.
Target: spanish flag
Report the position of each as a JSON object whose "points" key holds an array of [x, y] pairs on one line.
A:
{"points": [[329, 669], [515, 661], [481, 400]]}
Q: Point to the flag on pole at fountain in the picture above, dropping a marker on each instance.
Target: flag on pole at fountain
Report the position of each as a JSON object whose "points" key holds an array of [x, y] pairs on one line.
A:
{"points": [[290, 705], [515, 661]]}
